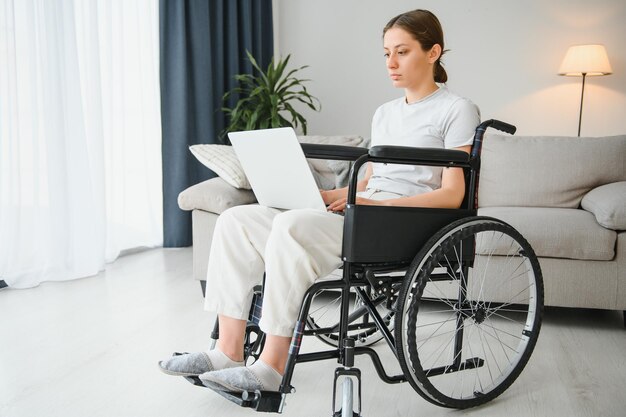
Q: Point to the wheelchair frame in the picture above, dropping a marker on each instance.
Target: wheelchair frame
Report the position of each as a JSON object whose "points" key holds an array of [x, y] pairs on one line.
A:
{"points": [[363, 257]]}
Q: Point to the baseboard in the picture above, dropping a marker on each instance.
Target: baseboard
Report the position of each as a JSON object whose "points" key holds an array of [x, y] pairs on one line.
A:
{"points": [[3, 284]]}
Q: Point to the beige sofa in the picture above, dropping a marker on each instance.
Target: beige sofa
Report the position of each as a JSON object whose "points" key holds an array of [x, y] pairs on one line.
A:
{"points": [[566, 195]]}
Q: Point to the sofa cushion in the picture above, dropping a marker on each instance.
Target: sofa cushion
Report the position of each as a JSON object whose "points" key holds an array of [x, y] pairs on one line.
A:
{"points": [[558, 232], [214, 195], [547, 171], [608, 204], [332, 174], [222, 160]]}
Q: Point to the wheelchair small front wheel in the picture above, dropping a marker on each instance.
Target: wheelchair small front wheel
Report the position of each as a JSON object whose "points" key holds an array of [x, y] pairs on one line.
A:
{"points": [[348, 396], [469, 312]]}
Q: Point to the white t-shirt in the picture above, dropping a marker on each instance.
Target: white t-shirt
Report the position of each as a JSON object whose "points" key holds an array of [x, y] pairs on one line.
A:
{"points": [[440, 120]]}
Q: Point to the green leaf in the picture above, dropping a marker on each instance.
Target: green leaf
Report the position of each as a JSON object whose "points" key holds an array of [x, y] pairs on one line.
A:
{"points": [[280, 69], [263, 97]]}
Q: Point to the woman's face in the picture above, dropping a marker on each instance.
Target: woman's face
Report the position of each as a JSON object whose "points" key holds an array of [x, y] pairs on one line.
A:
{"points": [[408, 65]]}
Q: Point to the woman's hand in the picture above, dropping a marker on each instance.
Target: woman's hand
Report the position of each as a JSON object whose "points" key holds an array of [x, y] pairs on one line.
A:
{"points": [[327, 196], [330, 196], [340, 205]]}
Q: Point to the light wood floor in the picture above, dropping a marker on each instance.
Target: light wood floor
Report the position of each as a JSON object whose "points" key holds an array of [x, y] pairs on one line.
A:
{"points": [[90, 348]]}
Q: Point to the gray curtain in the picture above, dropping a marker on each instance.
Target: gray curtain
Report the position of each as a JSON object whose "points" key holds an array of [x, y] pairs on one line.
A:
{"points": [[203, 45]]}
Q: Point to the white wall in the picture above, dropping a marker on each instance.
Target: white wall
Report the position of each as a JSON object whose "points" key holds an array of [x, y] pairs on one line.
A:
{"points": [[504, 55]]}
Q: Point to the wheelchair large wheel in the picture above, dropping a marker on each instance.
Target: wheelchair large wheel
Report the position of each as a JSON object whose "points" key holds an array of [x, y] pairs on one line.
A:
{"points": [[470, 312], [323, 318]]}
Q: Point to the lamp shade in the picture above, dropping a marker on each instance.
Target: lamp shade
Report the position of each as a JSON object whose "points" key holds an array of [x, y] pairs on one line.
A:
{"points": [[585, 59]]}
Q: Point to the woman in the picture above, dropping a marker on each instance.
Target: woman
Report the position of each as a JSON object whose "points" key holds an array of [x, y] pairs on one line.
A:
{"points": [[294, 248]]}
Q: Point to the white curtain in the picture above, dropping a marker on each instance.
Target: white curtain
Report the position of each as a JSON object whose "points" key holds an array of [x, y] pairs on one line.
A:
{"points": [[80, 136]]}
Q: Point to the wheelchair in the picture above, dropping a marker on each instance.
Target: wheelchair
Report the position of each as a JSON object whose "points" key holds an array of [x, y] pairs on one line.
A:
{"points": [[457, 297]]}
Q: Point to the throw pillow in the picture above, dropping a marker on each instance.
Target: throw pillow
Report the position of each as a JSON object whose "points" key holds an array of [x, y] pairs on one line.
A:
{"points": [[608, 204], [222, 160]]}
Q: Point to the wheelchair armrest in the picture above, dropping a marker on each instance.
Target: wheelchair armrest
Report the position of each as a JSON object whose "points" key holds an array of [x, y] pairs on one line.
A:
{"points": [[406, 154], [333, 152]]}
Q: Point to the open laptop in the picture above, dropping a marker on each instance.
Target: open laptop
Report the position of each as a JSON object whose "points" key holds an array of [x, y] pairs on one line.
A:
{"points": [[276, 168]]}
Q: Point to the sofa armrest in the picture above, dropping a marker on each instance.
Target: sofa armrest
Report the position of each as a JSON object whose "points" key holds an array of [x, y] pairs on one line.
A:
{"points": [[608, 204], [214, 195]]}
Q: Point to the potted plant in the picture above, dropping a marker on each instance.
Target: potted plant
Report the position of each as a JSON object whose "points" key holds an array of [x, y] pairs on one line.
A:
{"points": [[266, 98]]}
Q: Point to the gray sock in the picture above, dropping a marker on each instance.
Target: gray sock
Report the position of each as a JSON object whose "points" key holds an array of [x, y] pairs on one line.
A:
{"points": [[221, 361], [197, 363], [269, 377]]}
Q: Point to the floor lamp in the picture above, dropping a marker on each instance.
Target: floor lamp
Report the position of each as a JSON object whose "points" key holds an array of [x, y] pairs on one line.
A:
{"points": [[585, 60]]}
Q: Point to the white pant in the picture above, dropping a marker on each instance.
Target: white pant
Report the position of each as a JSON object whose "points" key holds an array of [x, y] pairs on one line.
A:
{"points": [[294, 248]]}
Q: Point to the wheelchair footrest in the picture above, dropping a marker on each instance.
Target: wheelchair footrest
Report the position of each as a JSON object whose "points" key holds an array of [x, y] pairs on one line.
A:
{"points": [[194, 380], [265, 401]]}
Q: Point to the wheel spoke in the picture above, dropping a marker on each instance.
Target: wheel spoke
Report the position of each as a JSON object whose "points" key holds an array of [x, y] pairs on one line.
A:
{"points": [[507, 318], [325, 305], [440, 353], [440, 326], [510, 302], [444, 300], [487, 361], [502, 282], [501, 343]]}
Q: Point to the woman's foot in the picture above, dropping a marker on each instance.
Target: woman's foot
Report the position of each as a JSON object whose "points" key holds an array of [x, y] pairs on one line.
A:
{"points": [[194, 364], [258, 376]]}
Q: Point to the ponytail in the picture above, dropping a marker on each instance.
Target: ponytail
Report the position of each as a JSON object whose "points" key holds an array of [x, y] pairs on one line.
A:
{"points": [[441, 76]]}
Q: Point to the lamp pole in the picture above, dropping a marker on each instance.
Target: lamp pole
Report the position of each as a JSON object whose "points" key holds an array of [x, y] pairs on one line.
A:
{"points": [[582, 95]]}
